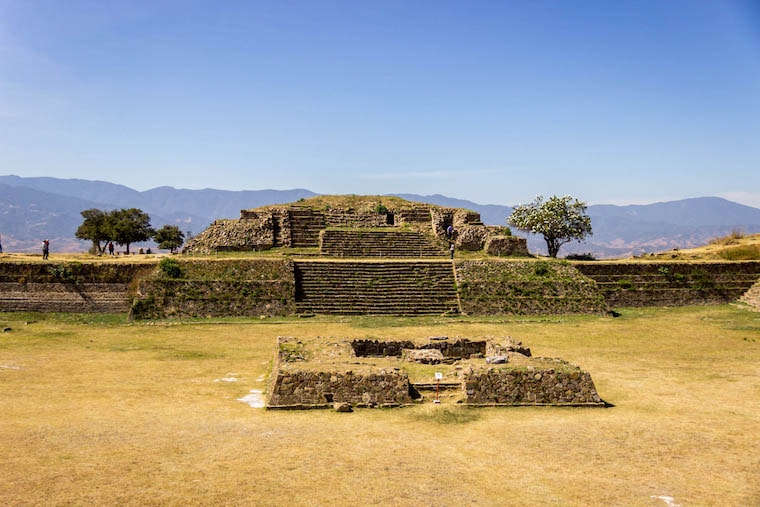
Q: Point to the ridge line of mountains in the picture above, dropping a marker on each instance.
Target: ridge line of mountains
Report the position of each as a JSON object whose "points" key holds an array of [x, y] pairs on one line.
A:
{"points": [[32, 209]]}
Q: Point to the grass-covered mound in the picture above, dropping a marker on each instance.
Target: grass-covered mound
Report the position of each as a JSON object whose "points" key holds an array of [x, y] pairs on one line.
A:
{"points": [[499, 287]]}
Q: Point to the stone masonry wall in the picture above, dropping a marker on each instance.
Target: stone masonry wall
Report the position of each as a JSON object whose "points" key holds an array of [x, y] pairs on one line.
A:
{"points": [[251, 288], [671, 283], [506, 246], [537, 387], [313, 389], [67, 286]]}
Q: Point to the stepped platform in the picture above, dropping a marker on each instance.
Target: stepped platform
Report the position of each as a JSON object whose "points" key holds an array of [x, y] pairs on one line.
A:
{"points": [[752, 297], [64, 297], [672, 283], [305, 225], [390, 287], [378, 243]]}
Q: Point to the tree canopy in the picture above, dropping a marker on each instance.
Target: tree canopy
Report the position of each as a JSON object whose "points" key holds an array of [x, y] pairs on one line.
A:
{"points": [[94, 228], [130, 226], [124, 226], [559, 219], [169, 237]]}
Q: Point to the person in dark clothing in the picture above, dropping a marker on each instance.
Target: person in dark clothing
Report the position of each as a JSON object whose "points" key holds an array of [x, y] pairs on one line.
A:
{"points": [[45, 249], [110, 248]]}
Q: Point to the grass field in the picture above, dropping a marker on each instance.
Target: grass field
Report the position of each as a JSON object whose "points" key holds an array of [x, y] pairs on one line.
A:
{"points": [[96, 411]]}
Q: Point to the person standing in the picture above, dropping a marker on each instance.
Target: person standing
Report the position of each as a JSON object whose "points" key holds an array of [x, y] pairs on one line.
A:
{"points": [[45, 249], [110, 247], [451, 249], [1, 245]]}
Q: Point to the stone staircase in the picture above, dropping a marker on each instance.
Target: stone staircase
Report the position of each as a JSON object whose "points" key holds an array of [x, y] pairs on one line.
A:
{"points": [[671, 284], [416, 214], [378, 243], [752, 297], [305, 225], [375, 287]]}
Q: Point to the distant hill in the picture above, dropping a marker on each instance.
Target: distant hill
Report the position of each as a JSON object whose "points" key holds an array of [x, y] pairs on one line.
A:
{"points": [[32, 209]]}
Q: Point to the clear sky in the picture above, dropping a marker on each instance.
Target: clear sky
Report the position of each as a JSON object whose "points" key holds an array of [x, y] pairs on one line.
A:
{"points": [[492, 101]]}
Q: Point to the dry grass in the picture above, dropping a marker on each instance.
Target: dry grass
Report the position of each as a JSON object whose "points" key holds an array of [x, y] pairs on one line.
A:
{"points": [[733, 246], [359, 203], [97, 411], [731, 238], [26, 258]]}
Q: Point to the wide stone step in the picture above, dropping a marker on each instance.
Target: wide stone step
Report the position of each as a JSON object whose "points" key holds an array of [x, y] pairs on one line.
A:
{"points": [[383, 288], [378, 243]]}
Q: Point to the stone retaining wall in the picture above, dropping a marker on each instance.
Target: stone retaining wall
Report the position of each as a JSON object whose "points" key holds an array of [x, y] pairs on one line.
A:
{"points": [[67, 286], [506, 246], [368, 348], [313, 389], [537, 387], [251, 288], [671, 283]]}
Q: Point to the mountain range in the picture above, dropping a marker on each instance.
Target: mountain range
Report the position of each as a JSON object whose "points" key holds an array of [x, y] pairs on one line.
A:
{"points": [[32, 209]]}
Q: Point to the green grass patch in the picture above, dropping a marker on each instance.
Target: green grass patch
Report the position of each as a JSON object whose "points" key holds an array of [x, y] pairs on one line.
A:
{"points": [[741, 253]]}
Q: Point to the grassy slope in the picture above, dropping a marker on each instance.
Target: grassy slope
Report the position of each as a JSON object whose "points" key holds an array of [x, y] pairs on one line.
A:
{"points": [[96, 411], [734, 246]]}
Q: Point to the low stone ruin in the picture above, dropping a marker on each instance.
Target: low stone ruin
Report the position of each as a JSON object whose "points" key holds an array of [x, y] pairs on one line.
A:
{"points": [[321, 373]]}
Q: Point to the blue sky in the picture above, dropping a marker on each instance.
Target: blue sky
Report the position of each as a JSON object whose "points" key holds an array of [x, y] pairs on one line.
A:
{"points": [[495, 101]]}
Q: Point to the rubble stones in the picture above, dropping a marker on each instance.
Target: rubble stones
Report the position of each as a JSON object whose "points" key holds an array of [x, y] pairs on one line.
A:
{"points": [[423, 356], [342, 406]]}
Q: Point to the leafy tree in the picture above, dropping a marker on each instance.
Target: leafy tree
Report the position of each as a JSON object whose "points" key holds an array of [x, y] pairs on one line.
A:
{"points": [[169, 237], [130, 226], [559, 219], [94, 228]]}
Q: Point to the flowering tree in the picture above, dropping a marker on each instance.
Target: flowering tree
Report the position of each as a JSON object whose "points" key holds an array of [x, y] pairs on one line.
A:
{"points": [[559, 219]]}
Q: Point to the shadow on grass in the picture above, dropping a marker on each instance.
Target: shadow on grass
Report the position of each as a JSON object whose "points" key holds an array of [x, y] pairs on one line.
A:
{"points": [[445, 414]]}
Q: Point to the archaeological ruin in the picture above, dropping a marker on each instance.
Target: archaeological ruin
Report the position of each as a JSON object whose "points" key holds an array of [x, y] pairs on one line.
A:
{"points": [[325, 373]]}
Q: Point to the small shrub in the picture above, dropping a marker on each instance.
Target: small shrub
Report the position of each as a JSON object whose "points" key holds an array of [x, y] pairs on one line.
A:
{"points": [[170, 268], [625, 284], [541, 269], [63, 274], [381, 209], [729, 239], [143, 308]]}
